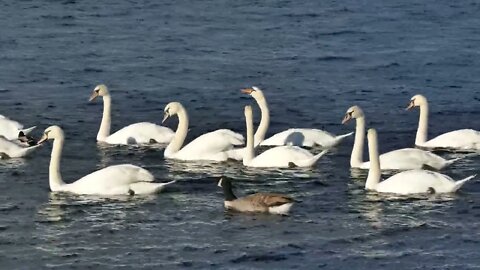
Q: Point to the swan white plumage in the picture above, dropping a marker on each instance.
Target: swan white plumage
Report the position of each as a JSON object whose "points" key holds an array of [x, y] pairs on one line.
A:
{"points": [[138, 133], [407, 182], [212, 146], [401, 159], [10, 129], [125, 179], [294, 136], [277, 157], [462, 139], [15, 150]]}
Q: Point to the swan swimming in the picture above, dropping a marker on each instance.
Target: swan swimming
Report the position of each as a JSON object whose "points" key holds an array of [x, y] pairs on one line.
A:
{"points": [[138, 133], [125, 179]]}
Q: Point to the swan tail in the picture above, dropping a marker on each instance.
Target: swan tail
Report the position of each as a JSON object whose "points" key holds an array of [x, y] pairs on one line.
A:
{"points": [[340, 138], [27, 151], [27, 130], [310, 162], [460, 183], [453, 160]]}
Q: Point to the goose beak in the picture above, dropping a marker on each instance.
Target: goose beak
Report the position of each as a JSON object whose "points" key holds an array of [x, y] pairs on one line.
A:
{"points": [[346, 118], [43, 139], [410, 105], [165, 117], [247, 91], [93, 96]]}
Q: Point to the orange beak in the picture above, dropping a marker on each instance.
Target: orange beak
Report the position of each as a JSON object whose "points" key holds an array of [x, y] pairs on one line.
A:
{"points": [[346, 118], [43, 139], [247, 91], [93, 96]]}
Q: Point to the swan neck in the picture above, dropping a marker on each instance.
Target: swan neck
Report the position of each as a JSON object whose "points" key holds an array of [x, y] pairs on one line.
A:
{"points": [[374, 172], [180, 134], [104, 130], [55, 178], [422, 130], [249, 151], [264, 121], [356, 159]]}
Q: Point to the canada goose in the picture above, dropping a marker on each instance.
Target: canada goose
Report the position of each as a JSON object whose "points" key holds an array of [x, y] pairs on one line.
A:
{"points": [[259, 202]]}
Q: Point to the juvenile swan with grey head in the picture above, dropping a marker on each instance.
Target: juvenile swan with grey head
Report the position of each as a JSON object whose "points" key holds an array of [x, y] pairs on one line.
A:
{"points": [[259, 202], [138, 133], [125, 179]]}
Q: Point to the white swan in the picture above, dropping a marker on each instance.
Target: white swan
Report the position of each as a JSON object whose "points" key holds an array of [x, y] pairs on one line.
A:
{"points": [[463, 139], [10, 129], [125, 179], [14, 150], [277, 157], [407, 182], [212, 146], [294, 136], [401, 159], [138, 133]]}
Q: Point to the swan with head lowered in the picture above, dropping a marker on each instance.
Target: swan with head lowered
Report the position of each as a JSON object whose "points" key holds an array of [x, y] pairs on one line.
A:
{"points": [[463, 139], [401, 159], [294, 136], [407, 182], [11, 129], [277, 157], [211, 146], [12, 149], [125, 179], [138, 133]]}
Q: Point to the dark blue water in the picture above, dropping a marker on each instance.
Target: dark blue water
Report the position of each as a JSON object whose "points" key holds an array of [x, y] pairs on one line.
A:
{"points": [[313, 60]]}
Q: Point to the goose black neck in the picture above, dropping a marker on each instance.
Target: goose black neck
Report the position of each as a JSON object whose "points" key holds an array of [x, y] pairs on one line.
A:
{"points": [[227, 190]]}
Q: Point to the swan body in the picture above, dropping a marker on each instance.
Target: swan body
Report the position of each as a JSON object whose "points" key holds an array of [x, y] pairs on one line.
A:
{"points": [[401, 159], [13, 149], [277, 157], [10, 129], [125, 179], [212, 146], [304, 137], [139, 133], [293, 136], [407, 182], [463, 139]]}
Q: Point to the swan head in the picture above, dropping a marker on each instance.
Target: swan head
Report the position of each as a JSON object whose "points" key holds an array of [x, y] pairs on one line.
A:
{"points": [[52, 133], [416, 101], [353, 112], [171, 109], [99, 90], [254, 91], [248, 112]]}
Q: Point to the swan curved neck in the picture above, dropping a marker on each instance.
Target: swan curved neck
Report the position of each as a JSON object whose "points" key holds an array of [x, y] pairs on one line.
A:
{"points": [[356, 159], [249, 150], [177, 142], [374, 172], [55, 178], [422, 131], [264, 121], [104, 130]]}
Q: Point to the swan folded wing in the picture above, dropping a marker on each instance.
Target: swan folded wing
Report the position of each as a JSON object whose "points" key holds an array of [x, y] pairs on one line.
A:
{"points": [[300, 137], [9, 128], [408, 158], [112, 180], [281, 156], [417, 181], [458, 139], [141, 133], [213, 142]]}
